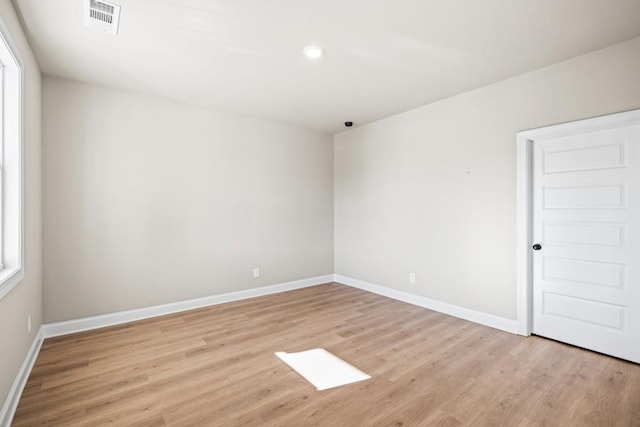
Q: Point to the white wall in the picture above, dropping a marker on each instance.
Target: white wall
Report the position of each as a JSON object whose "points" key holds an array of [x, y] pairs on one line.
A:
{"points": [[26, 297], [148, 201], [433, 190]]}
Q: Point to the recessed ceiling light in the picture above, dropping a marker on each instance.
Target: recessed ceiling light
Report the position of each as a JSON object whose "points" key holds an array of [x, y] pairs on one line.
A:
{"points": [[313, 52]]}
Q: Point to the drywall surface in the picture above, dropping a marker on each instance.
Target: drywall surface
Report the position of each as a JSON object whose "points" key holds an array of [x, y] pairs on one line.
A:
{"points": [[25, 299], [433, 191], [149, 201]]}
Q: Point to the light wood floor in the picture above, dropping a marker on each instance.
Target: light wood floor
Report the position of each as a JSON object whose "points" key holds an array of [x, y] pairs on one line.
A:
{"points": [[216, 367]]}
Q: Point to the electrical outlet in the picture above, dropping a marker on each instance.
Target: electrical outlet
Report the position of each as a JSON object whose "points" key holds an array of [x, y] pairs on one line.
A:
{"points": [[256, 272], [28, 323], [412, 277]]}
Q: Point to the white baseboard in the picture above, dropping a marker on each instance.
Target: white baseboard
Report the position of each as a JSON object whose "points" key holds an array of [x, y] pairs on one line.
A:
{"points": [[110, 319], [480, 317], [13, 397], [88, 323]]}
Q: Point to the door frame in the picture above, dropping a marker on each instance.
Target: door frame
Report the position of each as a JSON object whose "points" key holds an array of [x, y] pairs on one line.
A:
{"points": [[524, 199]]}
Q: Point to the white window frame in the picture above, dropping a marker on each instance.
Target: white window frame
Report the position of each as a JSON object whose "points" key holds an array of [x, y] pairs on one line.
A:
{"points": [[11, 163]]}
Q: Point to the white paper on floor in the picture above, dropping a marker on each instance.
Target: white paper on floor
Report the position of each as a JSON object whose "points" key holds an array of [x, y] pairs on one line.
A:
{"points": [[322, 369]]}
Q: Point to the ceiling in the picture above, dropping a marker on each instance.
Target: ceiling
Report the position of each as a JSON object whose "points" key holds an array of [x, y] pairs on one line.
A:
{"points": [[382, 56]]}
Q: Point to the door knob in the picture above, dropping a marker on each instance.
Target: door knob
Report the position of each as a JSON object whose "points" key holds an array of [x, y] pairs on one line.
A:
{"points": [[537, 247]]}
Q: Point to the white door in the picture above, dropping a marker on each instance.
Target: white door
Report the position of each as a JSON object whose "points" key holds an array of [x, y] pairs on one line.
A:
{"points": [[586, 219]]}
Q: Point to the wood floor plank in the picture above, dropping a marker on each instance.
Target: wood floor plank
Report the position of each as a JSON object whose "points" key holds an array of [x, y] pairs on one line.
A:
{"points": [[215, 367]]}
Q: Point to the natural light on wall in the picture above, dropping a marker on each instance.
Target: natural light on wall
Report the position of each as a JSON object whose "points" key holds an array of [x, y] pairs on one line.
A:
{"points": [[11, 186]]}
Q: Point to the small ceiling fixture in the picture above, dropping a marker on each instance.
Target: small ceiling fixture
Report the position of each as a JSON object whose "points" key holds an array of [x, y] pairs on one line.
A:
{"points": [[102, 15], [313, 52]]}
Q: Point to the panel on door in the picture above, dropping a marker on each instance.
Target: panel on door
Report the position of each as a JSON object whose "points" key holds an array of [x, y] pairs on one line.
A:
{"points": [[586, 218]]}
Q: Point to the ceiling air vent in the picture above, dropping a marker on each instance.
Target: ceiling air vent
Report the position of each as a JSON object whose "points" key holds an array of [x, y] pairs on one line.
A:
{"points": [[102, 16]]}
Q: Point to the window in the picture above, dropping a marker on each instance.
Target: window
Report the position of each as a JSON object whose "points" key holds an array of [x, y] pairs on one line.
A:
{"points": [[11, 188]]}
